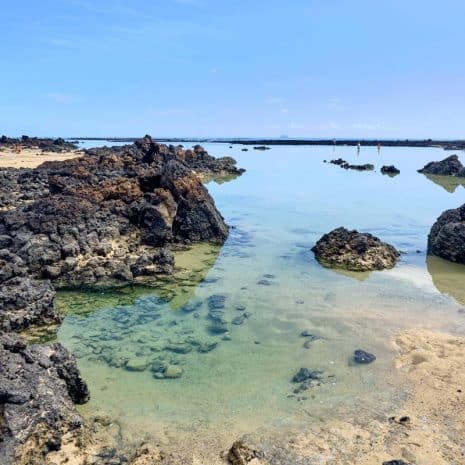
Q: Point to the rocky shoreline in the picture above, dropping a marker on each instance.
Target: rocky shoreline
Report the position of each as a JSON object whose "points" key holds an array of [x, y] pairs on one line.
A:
{"points": [[112, 215], [45, 144]]}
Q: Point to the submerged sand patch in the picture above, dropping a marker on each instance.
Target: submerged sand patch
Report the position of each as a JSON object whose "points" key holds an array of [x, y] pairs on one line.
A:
{"points": [[427, 429]]}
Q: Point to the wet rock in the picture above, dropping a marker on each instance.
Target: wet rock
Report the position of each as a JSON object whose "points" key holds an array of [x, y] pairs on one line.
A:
{"points": [[206, 347], [307, 333], [173, 371], [390, 170], [450, 166], [136, 364], [347, 166], [362, 357], [239, 320], [179, 348], [158, 366], [216, 302], [261, 147], [447, 236], [219, 327], [242, 453], [264, 282], [354, 251], [305, 374]]}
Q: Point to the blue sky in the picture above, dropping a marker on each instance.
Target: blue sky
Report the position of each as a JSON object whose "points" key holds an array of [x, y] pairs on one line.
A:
{"points": [[306, 68]]}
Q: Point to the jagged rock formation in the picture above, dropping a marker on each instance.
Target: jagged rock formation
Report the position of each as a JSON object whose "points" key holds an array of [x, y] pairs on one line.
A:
{"points": [[45, 144], [112, 214], [447, 236], [354, 251], [450, 166], [38, 388]]}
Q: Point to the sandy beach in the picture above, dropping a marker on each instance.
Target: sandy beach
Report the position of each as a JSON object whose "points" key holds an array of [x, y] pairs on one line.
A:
{"points": [[31, 158], [427, 429]]}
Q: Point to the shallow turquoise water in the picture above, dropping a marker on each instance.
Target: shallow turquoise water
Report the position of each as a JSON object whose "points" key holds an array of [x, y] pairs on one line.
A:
{"points": [[239, 381]]}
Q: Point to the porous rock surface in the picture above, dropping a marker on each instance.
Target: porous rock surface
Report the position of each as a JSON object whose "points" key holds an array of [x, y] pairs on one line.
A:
{"points": [[114, 213], [39, 385], [450, 166], [447, 236], [354, 251]]}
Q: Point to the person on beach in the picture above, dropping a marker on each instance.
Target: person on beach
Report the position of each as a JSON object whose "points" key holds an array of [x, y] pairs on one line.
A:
{"points": [[358, 148]]}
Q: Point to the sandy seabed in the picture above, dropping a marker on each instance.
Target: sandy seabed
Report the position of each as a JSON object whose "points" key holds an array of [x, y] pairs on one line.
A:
{"points": [[428, 428]]}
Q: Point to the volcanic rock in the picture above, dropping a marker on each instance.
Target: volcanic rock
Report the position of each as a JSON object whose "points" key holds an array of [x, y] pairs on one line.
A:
{"points": [[354, 251], [450, 166], [447, 236]]}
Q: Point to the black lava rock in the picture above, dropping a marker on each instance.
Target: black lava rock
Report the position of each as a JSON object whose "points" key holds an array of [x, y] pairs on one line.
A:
{"points": [[362, 357], [304, 374]]}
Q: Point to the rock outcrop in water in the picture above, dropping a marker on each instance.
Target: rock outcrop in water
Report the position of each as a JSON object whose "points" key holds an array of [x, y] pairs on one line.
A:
{"points": [[347, 166], [112, 214], [390, 170], [447, 236], [354, 251], [450, 166]]}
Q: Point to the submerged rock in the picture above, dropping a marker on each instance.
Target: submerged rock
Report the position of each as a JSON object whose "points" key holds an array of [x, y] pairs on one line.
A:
{"points": [[362, 357], [173, 371], [354, 251], [136, 364], [450, 166], [242, 453], [305, 374], [447, 236]]}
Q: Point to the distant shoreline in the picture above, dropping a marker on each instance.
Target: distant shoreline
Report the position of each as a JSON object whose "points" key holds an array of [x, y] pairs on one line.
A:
{"points": [[457, 144]]}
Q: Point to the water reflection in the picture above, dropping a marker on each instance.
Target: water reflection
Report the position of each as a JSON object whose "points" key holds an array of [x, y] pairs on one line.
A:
{"points": [[192, 265], [448, 277], [448, 183]]}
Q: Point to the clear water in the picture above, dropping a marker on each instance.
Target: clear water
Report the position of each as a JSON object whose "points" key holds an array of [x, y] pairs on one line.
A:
{"points": [[284, 202]]}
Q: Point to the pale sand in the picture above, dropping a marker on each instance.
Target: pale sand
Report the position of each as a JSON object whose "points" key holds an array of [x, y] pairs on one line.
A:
{"points": [[430, 374], [31, 158], [431, 370]]}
